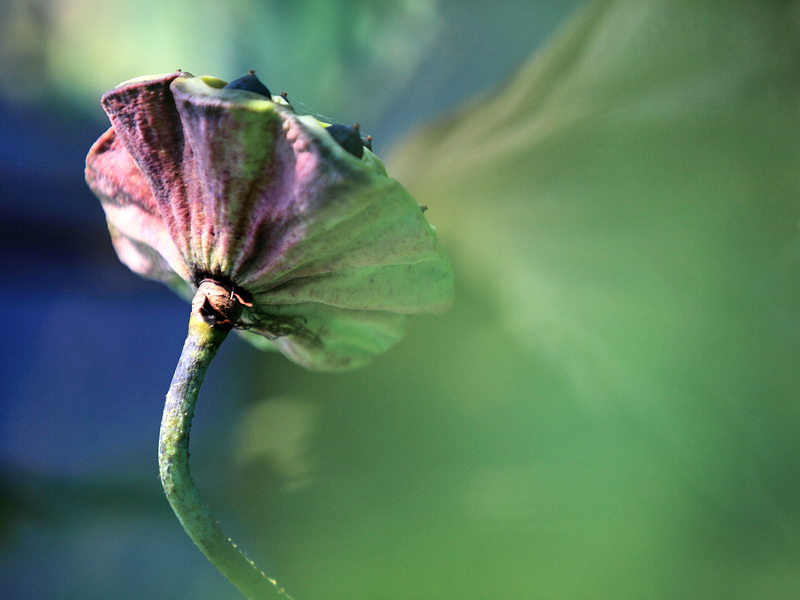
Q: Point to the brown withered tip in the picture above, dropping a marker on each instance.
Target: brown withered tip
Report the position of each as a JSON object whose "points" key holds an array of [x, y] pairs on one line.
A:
{"points": [[217, 304]]}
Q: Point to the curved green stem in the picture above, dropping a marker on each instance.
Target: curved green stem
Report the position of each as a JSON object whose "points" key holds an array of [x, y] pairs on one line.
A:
{"points": [[202, 343]]}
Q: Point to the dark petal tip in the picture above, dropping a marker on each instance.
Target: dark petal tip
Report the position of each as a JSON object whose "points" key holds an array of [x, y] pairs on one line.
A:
{"points": [[348, 138], [249, 83]]}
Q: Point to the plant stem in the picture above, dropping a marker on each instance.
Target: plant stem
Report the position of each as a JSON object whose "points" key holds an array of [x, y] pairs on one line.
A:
{"points": [[202, 342]]}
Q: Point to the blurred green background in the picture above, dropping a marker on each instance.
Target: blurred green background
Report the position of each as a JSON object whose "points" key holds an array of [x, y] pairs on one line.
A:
{"points": [[611, 408]]}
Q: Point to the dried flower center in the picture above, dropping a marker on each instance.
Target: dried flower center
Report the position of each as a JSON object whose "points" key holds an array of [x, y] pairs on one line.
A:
{"points": [[218, 304]]}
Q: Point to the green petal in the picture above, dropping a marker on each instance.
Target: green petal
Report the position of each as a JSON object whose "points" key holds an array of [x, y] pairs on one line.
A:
{"points": [[336, 339]]}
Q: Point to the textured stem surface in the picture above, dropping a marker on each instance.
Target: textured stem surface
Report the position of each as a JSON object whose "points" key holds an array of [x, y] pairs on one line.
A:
{"points": [[202, 342]]}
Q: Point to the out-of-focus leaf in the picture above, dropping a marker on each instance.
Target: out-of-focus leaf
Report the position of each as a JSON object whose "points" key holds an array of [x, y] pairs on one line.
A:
{"points": [[626, 210], [630, 203]]}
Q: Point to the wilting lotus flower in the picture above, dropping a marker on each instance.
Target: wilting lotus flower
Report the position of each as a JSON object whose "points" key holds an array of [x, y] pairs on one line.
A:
{"points": [[270, 222], [327, 254]]}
